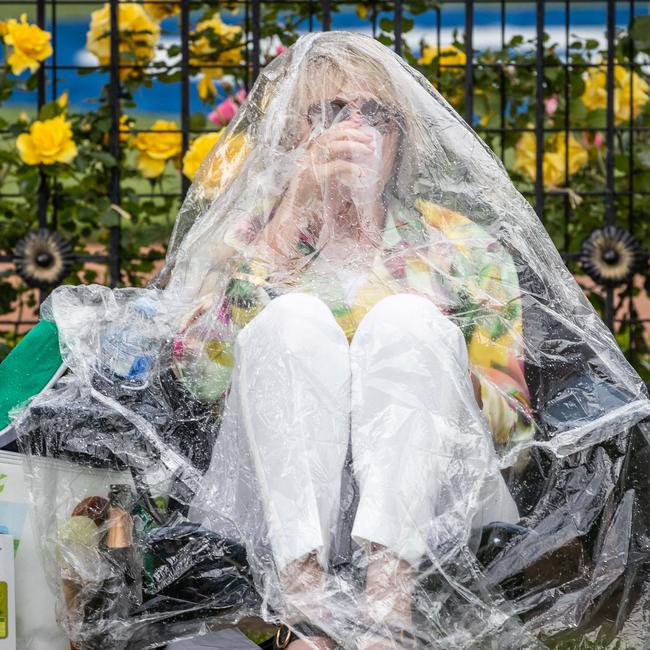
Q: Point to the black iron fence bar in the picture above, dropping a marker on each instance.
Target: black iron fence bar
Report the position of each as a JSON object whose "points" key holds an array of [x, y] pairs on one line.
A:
{"points": [[609, 155], [477, 127], [398, 27], [114, 143], [610, 215], [547, 192], [539, 112], [327, 15], [502, 83], [257, 25], [566, 91], [41, 99], [469, 60], [630, 159], [185, 86], [162, 67]]}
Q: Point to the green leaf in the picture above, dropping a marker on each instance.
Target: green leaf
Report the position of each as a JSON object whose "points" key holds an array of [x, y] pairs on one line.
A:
{"points": [[578, 110], [643, 157], [577, 86], [103, 157], [642, 182], [49, 110], [622, 162], [386, 25], [597, 118], [198, 121], [174, 77], [640, 32], [109, 218], [509, 157], [32, 83], [407, 24]]}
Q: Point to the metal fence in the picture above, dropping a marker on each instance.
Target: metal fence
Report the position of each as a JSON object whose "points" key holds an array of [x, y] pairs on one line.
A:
{"points": [[614, 198]]}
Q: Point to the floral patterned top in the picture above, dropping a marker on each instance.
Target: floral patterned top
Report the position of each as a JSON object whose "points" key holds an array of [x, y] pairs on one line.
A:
{"points": [[430, 250]]}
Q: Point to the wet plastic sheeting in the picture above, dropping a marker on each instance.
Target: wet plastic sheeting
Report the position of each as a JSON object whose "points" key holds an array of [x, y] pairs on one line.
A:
{"points": [[365, 394]]}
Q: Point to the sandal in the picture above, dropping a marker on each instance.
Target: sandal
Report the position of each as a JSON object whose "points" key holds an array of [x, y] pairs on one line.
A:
{"points": [[286, 634]]}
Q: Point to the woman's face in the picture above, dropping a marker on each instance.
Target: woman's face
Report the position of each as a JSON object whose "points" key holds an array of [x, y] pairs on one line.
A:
{"points": [[335, 103]]}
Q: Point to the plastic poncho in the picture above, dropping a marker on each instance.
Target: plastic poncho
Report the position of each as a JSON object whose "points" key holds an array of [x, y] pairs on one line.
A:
{"points": [[364, 351]]}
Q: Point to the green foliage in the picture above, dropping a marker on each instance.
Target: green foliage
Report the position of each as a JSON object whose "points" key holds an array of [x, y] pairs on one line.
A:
{"points": [[505, 88]]}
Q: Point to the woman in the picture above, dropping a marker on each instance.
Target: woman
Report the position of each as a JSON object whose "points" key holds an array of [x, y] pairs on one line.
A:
{"points": [[347, 351], [351, 291]]}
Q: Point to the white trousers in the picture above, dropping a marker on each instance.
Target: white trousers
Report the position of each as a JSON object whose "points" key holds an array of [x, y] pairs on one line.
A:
{"points": [[400, 393]]}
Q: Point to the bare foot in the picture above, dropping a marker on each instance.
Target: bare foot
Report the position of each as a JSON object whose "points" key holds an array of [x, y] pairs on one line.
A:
{"points": [[304, 576], [389, 591]]}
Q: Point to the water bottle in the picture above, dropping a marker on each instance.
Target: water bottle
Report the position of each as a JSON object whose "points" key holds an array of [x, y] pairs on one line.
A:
{"points": [[129, 348]]}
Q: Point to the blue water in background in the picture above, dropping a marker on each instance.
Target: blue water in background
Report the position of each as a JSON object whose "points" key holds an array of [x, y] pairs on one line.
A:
{"points": [[585, 20]]}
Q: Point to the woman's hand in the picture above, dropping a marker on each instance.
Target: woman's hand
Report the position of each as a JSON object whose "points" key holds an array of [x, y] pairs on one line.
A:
{"points": [[319, 191]]}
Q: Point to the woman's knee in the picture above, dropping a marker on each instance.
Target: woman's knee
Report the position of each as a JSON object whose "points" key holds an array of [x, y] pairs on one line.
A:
{"points": [[411, 314], [293, 322]]}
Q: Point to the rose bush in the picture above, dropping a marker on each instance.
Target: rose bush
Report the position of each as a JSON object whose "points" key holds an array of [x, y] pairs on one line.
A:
{"points": [[68, 155]]}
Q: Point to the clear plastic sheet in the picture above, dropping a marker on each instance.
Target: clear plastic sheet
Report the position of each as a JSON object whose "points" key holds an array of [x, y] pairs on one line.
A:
{"points": [[365, 397]]}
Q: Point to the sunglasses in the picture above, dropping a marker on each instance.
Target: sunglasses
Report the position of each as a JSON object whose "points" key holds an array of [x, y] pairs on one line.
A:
{"points": [[373, 112]]}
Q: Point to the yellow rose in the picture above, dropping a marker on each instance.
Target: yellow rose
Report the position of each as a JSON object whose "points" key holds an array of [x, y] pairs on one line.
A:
{"points": [[203, 47], [362, 11], [30, 45], [197, 152], [595, 93], [138, 36], [224, 165], [48, 142], [206, 88], [160, 10], [554, 160], [156, 148], [629, 89], [447, 56]]}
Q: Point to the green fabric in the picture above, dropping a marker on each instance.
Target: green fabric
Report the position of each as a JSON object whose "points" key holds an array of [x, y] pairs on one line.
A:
{"points": [[28, 368]]}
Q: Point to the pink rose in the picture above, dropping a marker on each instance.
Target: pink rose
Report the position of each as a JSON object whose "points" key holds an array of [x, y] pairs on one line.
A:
{"points": [[551, 105], [596, 141], [224, 112]]}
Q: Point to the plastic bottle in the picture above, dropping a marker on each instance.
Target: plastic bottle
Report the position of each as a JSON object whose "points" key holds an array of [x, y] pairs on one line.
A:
{"points": [[129, 347]]}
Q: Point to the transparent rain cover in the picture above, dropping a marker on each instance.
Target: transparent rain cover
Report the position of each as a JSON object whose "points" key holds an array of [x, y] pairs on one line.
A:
{"points": [[365, 397]]}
